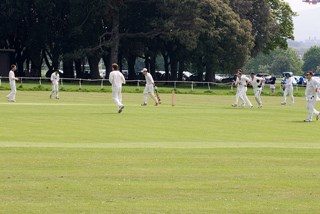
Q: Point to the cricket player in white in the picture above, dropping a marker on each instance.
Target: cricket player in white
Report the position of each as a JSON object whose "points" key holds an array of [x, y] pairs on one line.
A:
{"points": [[149, 88], [12, 79], [288, 89], [55, 77], [241, 83], [116, 79], [311, 91], [256, 83]]}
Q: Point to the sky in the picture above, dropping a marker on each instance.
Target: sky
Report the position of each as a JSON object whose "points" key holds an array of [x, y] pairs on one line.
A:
{"points": [[305, 26]]}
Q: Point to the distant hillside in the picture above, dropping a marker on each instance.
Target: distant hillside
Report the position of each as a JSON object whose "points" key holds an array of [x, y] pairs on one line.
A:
{"points": [[307, 25]]}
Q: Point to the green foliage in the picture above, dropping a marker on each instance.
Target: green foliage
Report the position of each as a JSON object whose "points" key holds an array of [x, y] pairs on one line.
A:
{"points": [[276, 62], [211, 35], [271, 22], [312, 60]]}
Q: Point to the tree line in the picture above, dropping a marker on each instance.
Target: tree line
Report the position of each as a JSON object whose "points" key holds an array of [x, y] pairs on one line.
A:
{"points": [[208, 36]]}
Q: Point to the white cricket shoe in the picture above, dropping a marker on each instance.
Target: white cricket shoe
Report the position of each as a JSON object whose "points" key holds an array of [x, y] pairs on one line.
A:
{"points": [[283, 103], [234, 105], [260, 106], [307, 120]]}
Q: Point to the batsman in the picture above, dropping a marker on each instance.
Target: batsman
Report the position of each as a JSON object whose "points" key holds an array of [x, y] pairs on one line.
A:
{"points": [[150, 86]]}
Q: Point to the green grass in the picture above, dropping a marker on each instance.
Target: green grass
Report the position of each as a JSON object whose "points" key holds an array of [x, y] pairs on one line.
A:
{"points": [[78, 155]]}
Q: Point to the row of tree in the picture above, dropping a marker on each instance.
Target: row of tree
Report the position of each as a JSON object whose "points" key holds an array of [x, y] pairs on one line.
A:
{"points": [[280, 60], [207, 35]]}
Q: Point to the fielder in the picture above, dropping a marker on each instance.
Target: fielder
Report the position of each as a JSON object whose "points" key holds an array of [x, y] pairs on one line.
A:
{"points": [[149, 88], [55, 77], [311, 91], [288, 89], [256, 83], [12, 79], [116, 79], [241, 83]]}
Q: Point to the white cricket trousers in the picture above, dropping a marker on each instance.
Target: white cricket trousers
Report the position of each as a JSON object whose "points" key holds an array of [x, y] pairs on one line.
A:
{"points": [[117, 96], [257, 93], [238, 95], [149, 89], [55, 89], [311, 101], [243, 94], [12, 95], [288, 90]]}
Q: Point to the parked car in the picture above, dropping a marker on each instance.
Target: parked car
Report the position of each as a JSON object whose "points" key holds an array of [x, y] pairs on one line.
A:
{"points": [[219, 77], [160, 75], [102, 73], [229, 79], [125, 73], [266, 76], [186, 75], [300, 80]]}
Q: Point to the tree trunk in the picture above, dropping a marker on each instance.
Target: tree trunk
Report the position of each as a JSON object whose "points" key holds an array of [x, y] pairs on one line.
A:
{"points": [[209, 77], [115, 37], [94, 67], [55, 58], [174, 66], [131, 63], [78, 67], [181, 69], [68, 68], [166, 65], [36, 62], [152, 65], [107, 63]]}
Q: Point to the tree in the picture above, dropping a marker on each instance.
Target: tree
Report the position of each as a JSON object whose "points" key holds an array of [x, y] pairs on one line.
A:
{"points": [[276, 61], [214, 35], [271, 21], [225, 41], [311, 59]]}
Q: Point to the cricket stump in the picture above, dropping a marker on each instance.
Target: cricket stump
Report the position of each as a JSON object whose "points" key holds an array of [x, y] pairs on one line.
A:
{"points": [[173, 98]]}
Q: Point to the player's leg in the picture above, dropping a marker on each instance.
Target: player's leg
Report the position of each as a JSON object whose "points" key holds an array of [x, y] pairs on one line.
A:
{"points": [[57, 91], [237, 98], [145, 96], [285, 93], [12, 96], [310, 106], [291, 95], [151, 90]]}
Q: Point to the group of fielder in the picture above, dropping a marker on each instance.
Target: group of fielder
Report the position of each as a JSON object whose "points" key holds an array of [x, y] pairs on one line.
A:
{"points": [[116, 78], [312, 91]]}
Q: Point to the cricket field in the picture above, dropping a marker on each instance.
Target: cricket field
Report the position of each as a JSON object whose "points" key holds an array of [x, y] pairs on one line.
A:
{"points": [[78, 155]]}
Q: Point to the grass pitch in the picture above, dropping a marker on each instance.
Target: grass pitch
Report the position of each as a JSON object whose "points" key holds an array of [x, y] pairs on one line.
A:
{"points": [[78, 155]]}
